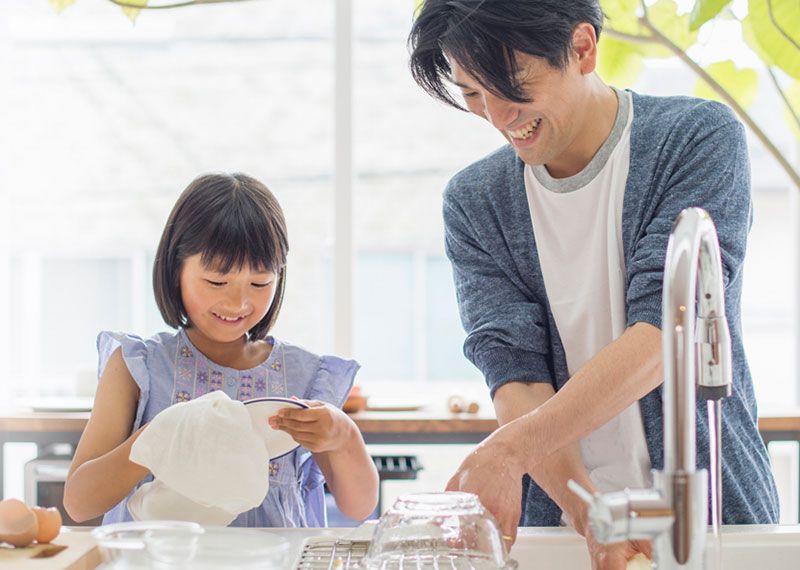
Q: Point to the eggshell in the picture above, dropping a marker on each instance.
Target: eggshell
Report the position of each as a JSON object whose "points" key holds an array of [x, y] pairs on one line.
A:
{"points": [[18, 524], [640, 562], [49, 521]]}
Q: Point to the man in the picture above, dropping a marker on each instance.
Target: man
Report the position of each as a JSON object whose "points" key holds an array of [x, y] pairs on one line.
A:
{"points": [[557, 242]]}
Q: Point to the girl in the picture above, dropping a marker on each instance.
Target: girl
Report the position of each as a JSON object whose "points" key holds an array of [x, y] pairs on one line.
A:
{"points": [[219, 279]]}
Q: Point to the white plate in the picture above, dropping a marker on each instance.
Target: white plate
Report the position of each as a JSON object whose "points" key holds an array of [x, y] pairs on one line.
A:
{"points": [[58, 404], [278, 442]]}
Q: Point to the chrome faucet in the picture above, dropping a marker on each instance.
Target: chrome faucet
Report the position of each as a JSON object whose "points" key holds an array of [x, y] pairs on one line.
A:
{"points": [[697, 357]]}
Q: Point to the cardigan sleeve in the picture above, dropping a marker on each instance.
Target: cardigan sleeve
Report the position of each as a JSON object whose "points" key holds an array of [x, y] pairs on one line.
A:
{"points": [[710, 170], [507, 338]]}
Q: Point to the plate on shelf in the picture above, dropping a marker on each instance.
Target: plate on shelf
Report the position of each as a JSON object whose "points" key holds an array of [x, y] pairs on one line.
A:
{"points": [[278, 442], [56, 404], [394, 405]]}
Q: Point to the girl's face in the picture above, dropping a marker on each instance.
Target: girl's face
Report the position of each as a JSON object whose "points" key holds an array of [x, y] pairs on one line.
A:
{"points": [[224, 306]]}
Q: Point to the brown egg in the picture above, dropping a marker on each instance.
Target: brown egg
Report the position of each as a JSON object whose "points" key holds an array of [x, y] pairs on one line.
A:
{"points": [[18, 524], [49, 521]]}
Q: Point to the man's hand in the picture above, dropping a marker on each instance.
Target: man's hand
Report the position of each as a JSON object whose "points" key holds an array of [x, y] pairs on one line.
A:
{"points": [[616, 556], [493, 473], [319, 428]]}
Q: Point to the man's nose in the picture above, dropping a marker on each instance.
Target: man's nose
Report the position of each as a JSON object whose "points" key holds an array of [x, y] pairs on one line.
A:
{"points": [[500, 112]]}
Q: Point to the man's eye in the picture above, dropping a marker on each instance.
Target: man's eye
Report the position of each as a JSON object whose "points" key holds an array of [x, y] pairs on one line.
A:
{"points": [[215, 283], [470, 95]]}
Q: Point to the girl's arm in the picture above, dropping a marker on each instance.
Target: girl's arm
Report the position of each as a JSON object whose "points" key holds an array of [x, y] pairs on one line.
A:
{"points": [[339, 450], [101, 475]]}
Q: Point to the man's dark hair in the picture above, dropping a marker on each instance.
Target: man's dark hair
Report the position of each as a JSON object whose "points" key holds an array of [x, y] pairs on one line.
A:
{"points": [[483, 36], [232, 220]]}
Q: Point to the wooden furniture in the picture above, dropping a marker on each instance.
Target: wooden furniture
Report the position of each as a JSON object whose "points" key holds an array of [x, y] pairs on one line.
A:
{"points": [[427, 426]]}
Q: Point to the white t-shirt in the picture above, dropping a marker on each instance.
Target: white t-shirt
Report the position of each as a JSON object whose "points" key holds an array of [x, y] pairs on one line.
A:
{"points": [[577, 222]]}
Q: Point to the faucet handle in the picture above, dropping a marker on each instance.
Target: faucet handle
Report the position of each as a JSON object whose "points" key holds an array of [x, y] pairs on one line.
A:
{"points": [[624, 515]]}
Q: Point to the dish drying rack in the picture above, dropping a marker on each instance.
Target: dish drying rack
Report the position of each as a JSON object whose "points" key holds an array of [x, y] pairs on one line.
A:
{"points": [[321, 553], [331, 554]]}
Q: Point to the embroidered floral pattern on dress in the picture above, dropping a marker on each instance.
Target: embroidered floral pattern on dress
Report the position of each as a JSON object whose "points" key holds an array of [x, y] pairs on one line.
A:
{"points": [[274, 468], [245, 387], [195, 375], [216, 381]]}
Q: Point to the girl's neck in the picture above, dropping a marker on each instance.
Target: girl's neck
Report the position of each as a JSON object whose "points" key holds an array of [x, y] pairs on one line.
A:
{"points": [[240, 354]]}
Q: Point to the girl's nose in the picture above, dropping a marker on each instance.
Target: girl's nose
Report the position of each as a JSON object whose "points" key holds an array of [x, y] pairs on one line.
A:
{"points": [[500, 112], [237, 299]]}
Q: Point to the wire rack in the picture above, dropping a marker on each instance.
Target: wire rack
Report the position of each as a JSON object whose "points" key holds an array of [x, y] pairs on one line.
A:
{"points": [[331, 554]]}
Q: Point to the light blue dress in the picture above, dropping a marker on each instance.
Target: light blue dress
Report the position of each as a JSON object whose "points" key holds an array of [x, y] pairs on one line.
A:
{"points": [[168, 369]]}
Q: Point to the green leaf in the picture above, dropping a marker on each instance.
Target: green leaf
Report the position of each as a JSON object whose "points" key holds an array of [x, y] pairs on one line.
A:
{"points": [[664, 16], [704, 10], [741, 84], [61, 5], [775, 28], [619, 62], [133, 13], [621, 15]]}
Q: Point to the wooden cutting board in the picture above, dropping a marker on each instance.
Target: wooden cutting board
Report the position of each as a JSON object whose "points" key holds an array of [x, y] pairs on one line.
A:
{"points": [[72, 550]]}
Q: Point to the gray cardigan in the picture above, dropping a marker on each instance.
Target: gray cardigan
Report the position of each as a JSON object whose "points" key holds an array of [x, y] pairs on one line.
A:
{"points": [[684, 152]]}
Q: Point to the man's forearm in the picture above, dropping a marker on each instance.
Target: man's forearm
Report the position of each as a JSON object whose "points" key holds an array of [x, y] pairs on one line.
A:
{"points": [[516, 399], [618, 376]]}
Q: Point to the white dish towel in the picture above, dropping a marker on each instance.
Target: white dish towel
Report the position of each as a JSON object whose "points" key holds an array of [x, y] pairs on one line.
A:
{"points": [[209, 463]]}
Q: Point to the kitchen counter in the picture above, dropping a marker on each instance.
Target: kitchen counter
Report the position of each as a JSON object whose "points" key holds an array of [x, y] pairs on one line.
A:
{"points": [[744, 548]]}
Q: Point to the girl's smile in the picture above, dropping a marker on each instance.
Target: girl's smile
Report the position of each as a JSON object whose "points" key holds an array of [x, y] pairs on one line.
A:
{"points": [[223, 306]]}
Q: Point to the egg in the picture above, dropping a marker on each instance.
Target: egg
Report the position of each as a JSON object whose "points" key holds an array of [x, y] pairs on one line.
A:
{"points": [[640, 562], [49, 521], [18, 525]]}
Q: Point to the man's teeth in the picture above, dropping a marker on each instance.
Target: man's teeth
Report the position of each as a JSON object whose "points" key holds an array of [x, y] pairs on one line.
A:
{"points": [[527, 131]]}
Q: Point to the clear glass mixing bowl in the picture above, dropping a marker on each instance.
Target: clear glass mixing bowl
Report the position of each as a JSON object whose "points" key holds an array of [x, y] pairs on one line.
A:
{"points": [[437, 530]]}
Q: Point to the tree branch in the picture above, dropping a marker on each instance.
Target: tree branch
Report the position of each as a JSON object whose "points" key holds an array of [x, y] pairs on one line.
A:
{"points": [[773, 150], [782, 93], [125, 4]]}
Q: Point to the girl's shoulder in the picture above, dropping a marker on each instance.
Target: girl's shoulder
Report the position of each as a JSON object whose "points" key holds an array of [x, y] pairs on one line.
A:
{"points": [[134, 345], [315, 376]]}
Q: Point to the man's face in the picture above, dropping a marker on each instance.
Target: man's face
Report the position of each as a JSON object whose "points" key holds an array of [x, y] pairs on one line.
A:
{"points": [[543, 130]]}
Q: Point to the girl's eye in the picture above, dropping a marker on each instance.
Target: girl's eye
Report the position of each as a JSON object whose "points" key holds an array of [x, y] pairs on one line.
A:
{"points": [[260, 285], [215, 283]]}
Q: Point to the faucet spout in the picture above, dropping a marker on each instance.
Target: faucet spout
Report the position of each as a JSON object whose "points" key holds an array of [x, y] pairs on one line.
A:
{"points": [[696, 343], [697, 362]]}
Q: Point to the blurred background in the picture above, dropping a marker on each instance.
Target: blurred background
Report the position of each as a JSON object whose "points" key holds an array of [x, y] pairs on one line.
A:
{"points": [[104, 121]]}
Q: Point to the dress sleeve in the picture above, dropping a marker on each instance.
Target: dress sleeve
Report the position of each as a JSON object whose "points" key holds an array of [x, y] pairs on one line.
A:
{"points": [[507, 336], [134, 353], [333, 380], [712, 172]]}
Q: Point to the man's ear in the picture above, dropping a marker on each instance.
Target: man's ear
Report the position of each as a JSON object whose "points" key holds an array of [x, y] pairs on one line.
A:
{"points": [[584, 47]]}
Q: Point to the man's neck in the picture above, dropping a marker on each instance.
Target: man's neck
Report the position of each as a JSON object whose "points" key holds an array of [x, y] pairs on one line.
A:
{"points": [[598, 119]]}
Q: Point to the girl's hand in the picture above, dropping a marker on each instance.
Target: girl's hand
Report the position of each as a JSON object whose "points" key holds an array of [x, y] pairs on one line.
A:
{"points": [[319, 428]]}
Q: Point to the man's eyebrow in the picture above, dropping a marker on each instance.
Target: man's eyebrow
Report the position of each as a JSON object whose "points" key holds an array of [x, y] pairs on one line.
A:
{"points": [[459, 84]]}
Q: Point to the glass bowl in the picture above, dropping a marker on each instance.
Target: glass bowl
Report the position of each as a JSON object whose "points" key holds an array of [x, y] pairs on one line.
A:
{"points": [[178, 545], [437, 530]]}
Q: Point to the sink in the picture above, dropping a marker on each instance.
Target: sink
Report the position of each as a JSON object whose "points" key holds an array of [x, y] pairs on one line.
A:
{"points": [[746, 547]]}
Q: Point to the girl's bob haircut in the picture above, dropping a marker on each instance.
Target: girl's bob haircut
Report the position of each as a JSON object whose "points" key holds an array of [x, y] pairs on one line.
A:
{"points": [[233, 220]]}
